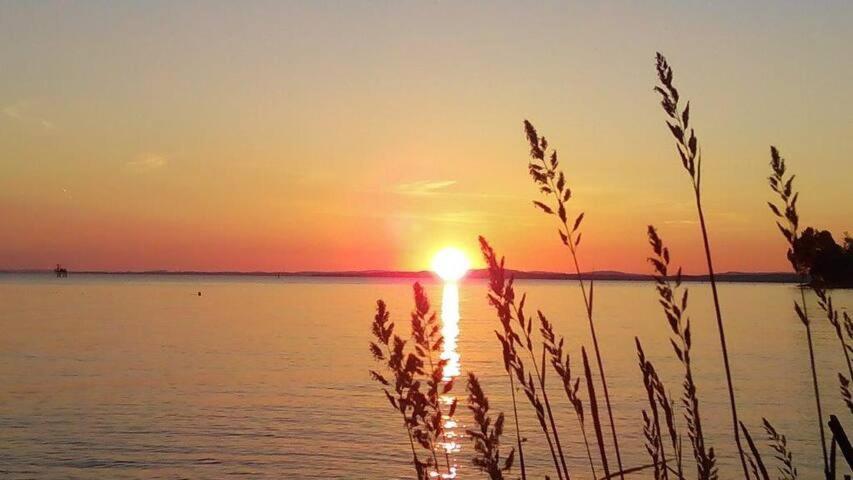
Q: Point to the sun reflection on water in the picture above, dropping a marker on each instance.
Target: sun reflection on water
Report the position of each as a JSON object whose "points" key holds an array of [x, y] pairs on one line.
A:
{"points": [[454, 431], [450, 329]]}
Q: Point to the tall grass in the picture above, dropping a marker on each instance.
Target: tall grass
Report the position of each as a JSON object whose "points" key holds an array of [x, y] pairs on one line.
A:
{"points": [[487, 435], [428, 343], [673, 299], [788, 219], [411, 369], [571, 385], [398, 377], [689, 151], [552, 183], [779, 444], [413, 381], [513, 320], [660, 405], [788, 224]]}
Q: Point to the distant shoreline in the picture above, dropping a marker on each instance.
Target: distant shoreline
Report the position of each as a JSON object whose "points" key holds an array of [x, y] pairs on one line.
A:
{"points": [[732, 277]]}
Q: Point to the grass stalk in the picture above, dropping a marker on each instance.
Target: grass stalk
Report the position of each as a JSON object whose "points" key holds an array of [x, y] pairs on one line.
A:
{"points": [[788, 223], [596, 420], [779, 444], [402, 391], [688, 149], [759, 470], [564, 371], [552, 182], [654, 435], [674, 303], [540, 376], [517, 429], [502, 298], [487, 437], [804, 317], [428, 341]]}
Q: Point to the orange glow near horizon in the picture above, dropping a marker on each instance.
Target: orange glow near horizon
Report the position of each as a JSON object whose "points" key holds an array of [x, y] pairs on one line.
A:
{"points": [[348, 153]]}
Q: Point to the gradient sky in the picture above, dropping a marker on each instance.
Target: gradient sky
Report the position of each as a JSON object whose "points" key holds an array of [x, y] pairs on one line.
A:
{"points": [[355, 135]]}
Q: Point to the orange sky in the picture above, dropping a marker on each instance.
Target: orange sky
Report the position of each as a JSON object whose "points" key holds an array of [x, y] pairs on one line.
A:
{"points": [[332, 136]]}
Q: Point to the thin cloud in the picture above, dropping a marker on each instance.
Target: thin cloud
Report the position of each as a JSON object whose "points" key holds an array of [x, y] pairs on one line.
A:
{"points": [[146, 163], [12, 111], [423, 187], [20, 112]]}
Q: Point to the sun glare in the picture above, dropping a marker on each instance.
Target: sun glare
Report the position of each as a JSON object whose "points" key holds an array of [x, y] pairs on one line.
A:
{"points": [[450, 264]]}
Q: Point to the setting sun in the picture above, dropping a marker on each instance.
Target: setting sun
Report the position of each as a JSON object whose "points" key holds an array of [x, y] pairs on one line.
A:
{"points": [[450, 264]]}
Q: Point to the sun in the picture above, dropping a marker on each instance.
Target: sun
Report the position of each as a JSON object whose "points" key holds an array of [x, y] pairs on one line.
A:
{"points": [[450, 264]]}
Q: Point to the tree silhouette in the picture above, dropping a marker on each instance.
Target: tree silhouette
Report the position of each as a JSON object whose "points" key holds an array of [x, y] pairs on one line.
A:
{"points": [[826, 262]]}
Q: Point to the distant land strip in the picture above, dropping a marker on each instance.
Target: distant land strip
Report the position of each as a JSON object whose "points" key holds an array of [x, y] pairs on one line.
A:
{"points": [[600, 275]]}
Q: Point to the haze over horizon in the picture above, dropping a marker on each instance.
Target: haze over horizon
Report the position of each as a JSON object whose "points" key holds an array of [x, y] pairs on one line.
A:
{"points": [[335, 136]]}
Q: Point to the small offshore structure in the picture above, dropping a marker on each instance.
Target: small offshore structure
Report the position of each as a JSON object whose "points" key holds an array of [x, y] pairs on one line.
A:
{"points": [[60, 271]]}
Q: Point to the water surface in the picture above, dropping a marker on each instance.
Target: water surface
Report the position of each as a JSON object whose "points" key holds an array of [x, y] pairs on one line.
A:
{"points": [[108, 377]]}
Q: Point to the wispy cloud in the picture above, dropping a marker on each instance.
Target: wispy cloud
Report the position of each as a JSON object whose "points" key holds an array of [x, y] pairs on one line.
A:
{"points": [[12, 111], [146, 163], [21, 112], [423, 187], [728, 217]]}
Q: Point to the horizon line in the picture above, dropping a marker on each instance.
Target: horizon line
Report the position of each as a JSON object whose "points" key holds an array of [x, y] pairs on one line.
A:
{"points": [[764, 276]]}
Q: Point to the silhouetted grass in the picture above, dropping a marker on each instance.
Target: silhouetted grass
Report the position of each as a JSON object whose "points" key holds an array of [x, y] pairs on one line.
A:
{"points": [[428, 344], [400, 387], [842, 332], [564, 371], [659, 403], [675, 307], [487, 435], [779, 444], [689, 151], [782, 185], [512, 319], [413, 381], [756, 462], [552, 183]]}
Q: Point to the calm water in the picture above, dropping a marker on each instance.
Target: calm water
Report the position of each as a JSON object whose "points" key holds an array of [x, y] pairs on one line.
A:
{"points": [[107, 377]]}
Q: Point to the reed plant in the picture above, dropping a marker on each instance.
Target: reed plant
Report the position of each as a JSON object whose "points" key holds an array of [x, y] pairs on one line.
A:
{"points": [[783, 454], [552, 182], [788, 223], [571, 385], [660, 405], [428, 344], [754, 457], [411, 373], [673, 298], [687, 146], [513, 320], [413, 380], [487, 436], [397, 377], [843, 328]]}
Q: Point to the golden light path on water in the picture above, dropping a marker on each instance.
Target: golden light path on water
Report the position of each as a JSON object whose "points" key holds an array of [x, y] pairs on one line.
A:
{"points": [[450, 331]]}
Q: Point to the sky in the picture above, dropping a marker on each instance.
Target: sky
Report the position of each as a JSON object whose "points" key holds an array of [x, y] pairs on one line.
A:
{"points": [[345, 135]]}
